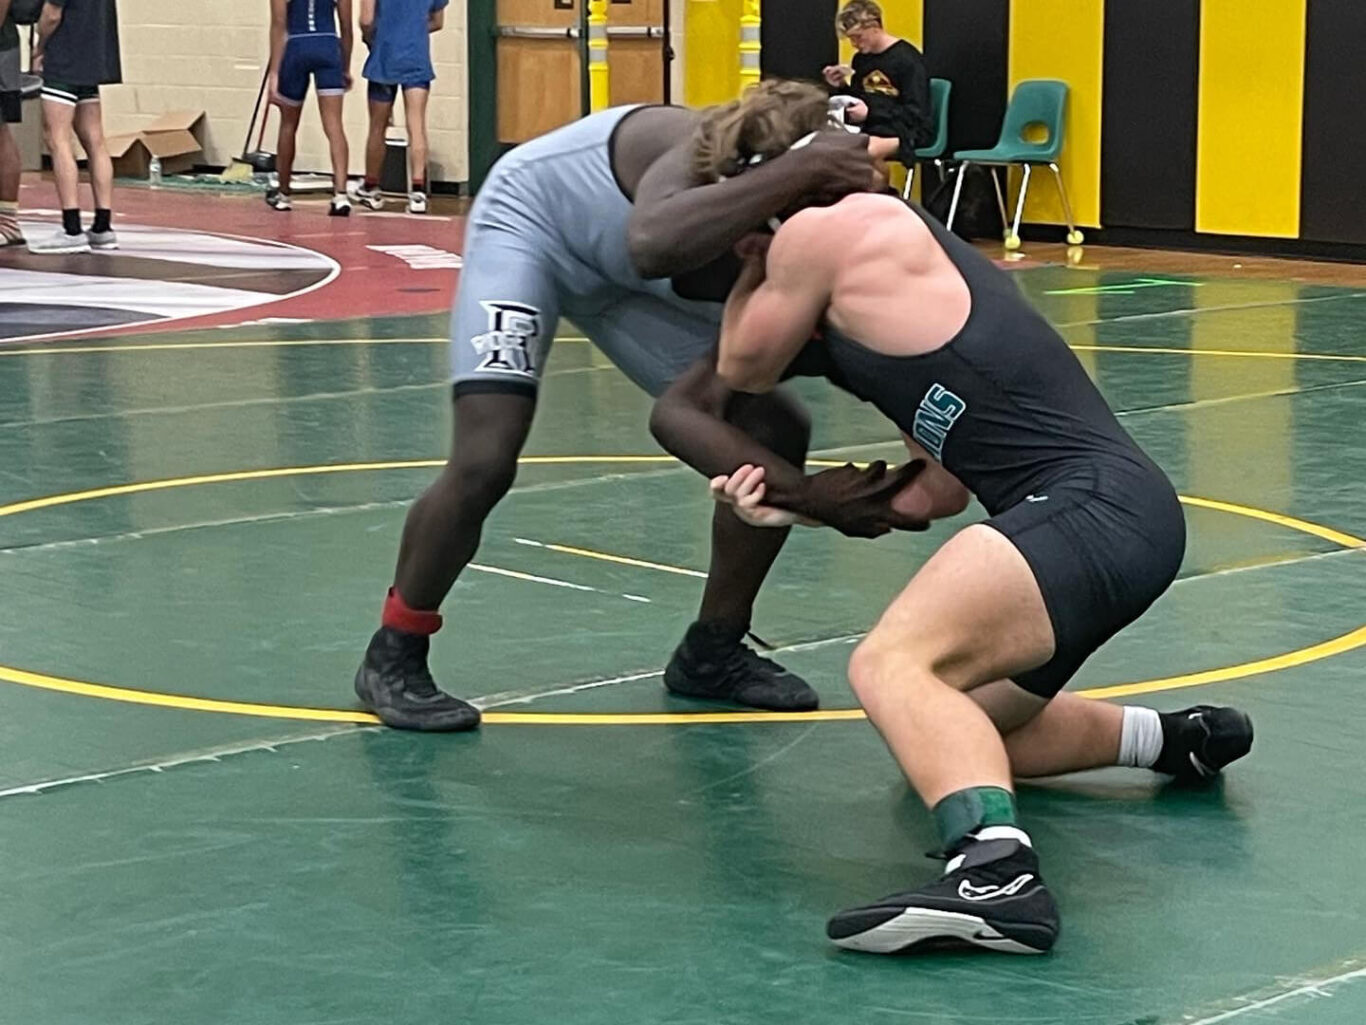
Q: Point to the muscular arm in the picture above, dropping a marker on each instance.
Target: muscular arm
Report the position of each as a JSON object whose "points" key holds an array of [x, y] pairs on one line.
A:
{"points": [[678, 225], [769, 318], [688, 420]]}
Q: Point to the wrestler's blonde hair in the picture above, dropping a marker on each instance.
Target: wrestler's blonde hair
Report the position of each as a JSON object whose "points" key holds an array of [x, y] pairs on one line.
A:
{"points": [[769, 118]]}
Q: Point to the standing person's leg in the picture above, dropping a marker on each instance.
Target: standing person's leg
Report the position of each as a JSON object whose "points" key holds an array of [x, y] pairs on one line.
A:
{"points": [[499, 347], [11, 113], [90, 130], [415, 118], [279, 197], [10, 232], [381, 108], [59, 112], [330, 107], [291, 87], [332, 82], [653, 342]]}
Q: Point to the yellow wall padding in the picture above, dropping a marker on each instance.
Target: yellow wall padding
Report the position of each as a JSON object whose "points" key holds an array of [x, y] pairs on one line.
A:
{"points": [[1064, 39], [1251, 112], [711, 52]]}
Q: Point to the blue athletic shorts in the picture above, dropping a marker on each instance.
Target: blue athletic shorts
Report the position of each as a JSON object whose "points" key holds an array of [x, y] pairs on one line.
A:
{"points": [[387, 92], [318, 55]]}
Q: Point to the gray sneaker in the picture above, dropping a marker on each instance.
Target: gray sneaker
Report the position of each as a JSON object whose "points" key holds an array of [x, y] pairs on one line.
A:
{"points": [[59, 242], [103, 239]]}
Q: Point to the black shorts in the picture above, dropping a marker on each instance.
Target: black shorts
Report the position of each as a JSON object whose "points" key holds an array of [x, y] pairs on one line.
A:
{"points": [[1104, 544], [11, 107]]}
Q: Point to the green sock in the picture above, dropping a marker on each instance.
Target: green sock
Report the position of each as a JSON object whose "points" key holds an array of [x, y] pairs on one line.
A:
{"points": [[964, 810]]}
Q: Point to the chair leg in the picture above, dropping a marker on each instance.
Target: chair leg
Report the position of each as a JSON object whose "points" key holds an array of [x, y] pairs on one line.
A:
{"points": [[1013, 239], [910, 180], [1000, 199], [1074, 237], [957, 192]]}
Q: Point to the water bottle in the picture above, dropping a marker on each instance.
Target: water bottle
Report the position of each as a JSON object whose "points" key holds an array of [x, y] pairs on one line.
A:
{"points": [[154, 171]]}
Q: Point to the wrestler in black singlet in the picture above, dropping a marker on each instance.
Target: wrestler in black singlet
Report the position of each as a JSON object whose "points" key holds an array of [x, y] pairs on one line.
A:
{"points": [[1007, 409]]}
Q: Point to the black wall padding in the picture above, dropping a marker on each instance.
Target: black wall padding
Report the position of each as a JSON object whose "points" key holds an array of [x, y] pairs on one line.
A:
{"points": [[966, 41], [798, 37], [1148, 145], [1332, 193]]}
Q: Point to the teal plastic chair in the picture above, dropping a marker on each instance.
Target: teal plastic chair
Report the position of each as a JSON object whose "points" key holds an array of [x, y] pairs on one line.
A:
{"points": [[940, 88], [1037, 104]]}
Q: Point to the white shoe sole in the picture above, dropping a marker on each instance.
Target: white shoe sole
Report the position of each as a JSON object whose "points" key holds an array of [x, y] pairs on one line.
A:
{"points": [[62, 251], [919, 925]]}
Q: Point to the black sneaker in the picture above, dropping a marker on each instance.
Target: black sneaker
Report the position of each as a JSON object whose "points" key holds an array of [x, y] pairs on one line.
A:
{"points": [[1198, 742], [990, 896], [716, 664], [393, 682]]}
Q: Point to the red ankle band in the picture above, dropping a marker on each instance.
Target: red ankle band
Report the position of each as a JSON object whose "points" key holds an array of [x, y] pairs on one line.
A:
{"points": [[371, 183], [399, 616]]}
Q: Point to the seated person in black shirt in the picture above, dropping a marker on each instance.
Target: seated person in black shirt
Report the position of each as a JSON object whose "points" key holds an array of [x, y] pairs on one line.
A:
{"points": [[888, 79]]}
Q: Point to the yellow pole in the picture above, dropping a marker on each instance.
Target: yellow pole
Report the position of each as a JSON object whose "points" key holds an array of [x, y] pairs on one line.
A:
{"points": [[750, 21], [599, 89]]}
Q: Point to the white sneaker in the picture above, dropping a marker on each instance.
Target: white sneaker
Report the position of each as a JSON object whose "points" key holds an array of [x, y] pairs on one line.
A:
{"points": [[372, 198], [59, 242], [102, 239], [339, 207], [417, 202]]}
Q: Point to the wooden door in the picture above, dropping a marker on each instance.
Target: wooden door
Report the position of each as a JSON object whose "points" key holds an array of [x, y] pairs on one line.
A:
{"points": [[540, 70], [635, 60]]}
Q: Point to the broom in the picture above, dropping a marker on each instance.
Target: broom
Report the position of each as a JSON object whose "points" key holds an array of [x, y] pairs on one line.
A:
{"points": [[243, 168]]}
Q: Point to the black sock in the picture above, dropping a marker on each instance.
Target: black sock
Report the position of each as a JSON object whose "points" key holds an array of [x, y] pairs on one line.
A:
{"points": [[101, 220], [71, 221]]}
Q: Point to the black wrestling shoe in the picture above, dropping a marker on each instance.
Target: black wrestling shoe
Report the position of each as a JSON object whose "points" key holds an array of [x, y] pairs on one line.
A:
{"points": [[393, 682], [1198, 742], [990, 896], [716, 664]]}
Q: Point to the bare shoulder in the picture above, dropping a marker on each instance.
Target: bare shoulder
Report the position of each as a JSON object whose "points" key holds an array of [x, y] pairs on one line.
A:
{"points": [[658, 140], [832, 229]]}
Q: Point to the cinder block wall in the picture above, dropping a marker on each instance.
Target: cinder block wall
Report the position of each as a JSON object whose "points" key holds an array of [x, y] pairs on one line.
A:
{"points": [[210, 55]]}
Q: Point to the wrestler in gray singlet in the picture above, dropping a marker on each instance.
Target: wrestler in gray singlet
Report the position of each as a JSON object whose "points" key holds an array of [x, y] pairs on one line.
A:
{"points": [[548, 236]]}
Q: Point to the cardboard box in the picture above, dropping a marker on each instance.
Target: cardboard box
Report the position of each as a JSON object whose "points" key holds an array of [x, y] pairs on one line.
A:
{"points": [[171, 137]]}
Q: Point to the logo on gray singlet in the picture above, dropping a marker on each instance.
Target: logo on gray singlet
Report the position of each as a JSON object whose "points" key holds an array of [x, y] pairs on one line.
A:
{"points": [[507, 345], [939, 411]]}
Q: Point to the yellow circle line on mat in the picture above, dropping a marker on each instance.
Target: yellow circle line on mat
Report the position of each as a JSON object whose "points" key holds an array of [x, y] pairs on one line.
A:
{"points": [[287, 343], [43, 681]]}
